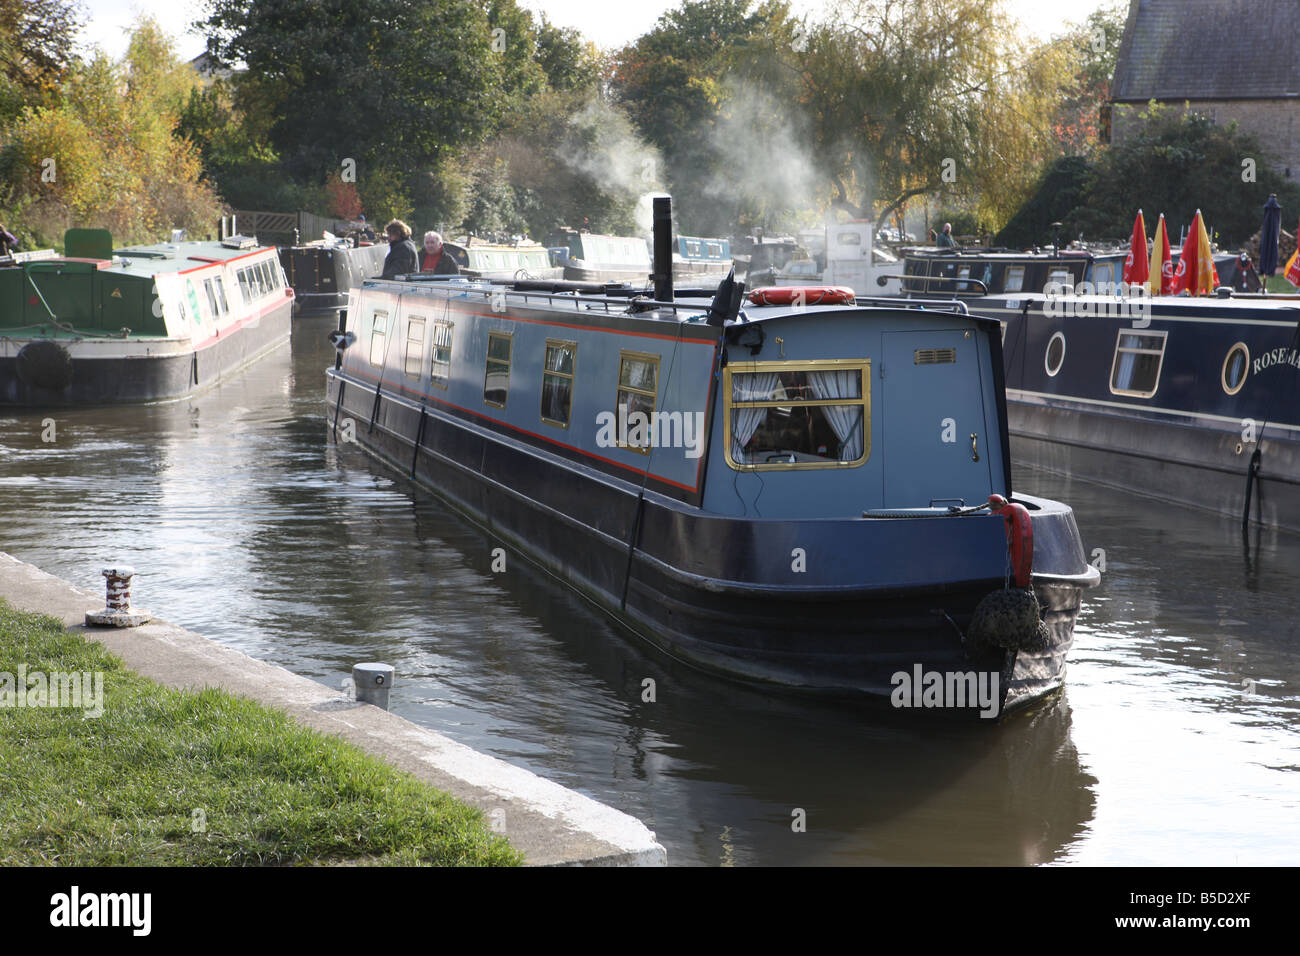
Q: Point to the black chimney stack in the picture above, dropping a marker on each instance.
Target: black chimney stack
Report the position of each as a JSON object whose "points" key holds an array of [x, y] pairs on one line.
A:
{"points": [[663, 240]]}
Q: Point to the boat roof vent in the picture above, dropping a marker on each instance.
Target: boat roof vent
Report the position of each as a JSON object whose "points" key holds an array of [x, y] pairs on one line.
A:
{"points": [[239, 242]]}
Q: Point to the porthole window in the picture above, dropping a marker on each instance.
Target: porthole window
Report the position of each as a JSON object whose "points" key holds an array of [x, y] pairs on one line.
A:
{"points": [[1235, 366], [1055, 355]]}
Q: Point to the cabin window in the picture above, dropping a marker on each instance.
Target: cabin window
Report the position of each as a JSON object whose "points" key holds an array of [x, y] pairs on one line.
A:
{"points": [[557, 382], [849, 238], [692, 247], [378, 325], [1103, 272], [1015, 280], [496, 376], [788, 415], [638, 390], [1061, 277], [219, 286], [1055, 354], [212, 299], [1235, 366], [441, 355], [414, 357], [715, 250], [243, 287], [1138, 358]]}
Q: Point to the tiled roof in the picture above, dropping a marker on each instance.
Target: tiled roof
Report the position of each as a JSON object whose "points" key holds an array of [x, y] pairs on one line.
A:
{"points": [[1209, 49]]}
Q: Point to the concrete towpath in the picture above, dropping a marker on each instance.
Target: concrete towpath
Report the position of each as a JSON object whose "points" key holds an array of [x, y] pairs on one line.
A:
{"points": [[548, 823]]}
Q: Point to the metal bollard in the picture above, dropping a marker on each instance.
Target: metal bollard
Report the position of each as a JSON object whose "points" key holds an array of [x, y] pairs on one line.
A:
{"points": [[372, 682], [117, 610]]}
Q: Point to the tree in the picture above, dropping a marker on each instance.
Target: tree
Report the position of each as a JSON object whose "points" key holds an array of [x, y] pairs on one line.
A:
{"points": [[36, 42], [569, 61], [1090, 51], [389, 84], [1174, 163], [679, 85], [107, 154]]}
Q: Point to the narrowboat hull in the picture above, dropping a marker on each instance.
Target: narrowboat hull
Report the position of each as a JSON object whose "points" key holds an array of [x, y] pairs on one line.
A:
{"points": [[1192, 440], [1205, 468], [145, 371], [716, 592]]}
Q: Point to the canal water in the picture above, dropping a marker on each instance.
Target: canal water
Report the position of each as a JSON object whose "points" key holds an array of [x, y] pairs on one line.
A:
{"points": [[1176, 741]]}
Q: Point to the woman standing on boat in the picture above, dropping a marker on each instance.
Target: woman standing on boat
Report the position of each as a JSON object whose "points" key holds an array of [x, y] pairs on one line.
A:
{"points": [[434, 260], [402, 258]]}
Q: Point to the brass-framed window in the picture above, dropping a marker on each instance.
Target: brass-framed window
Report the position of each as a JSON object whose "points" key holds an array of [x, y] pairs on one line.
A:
{"points": [[496, 371], [440, 355], [557, 382], [378, 337], [1236, 366], [1139, 356], [796, 415], [413, 359], [638, 391], [1014, 279]]}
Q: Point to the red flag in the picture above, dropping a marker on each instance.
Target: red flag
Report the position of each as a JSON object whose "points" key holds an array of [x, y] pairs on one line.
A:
{"points": [[1196, 273], [1136, 266], [1162, 268]]}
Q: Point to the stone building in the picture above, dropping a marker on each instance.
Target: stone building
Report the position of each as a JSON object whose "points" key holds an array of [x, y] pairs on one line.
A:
{"points": [[1226, 59]]}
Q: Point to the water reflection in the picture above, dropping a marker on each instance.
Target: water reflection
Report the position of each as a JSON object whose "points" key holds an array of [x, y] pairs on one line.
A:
{"points": [[248, 526]]}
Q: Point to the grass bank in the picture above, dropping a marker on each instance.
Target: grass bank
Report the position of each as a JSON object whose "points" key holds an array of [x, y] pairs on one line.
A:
{"points": [[179, 778]]}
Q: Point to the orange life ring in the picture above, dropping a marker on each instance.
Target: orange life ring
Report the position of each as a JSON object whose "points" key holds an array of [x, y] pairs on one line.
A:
{"points": [[803, 295]]}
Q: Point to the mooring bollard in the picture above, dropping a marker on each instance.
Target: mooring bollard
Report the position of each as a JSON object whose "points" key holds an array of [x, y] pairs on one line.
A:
{"points": [[372, 682], [117, 610]]}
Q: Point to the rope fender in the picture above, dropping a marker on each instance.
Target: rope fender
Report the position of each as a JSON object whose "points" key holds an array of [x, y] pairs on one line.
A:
{"points": [[1009, 618], [44, 364]]}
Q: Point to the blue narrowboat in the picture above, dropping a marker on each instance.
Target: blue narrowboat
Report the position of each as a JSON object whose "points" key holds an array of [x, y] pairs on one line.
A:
{"points": [[701, 259], [790, 492]]}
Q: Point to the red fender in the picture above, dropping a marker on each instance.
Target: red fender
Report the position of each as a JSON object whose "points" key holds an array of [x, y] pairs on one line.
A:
{"points": [[1020, 538]]}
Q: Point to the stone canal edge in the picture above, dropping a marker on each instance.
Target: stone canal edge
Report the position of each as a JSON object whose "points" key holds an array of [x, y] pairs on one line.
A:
{"points": [[550, 824]]}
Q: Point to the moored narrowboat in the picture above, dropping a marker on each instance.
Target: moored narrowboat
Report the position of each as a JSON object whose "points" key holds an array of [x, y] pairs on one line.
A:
{"points": [[699, 260], [519, 260], [1192, 400], [140, 324], [323, 271], [589, 257], [800, 495]]}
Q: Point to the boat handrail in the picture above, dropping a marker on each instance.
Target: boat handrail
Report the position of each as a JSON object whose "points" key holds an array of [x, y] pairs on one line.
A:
{"points": [[939, 305], [627, 303], [982, 290]]}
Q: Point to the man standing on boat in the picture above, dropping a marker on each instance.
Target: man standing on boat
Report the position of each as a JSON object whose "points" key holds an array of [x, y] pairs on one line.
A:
{"points": [[945, 238], [434, 259], [402, 258]]}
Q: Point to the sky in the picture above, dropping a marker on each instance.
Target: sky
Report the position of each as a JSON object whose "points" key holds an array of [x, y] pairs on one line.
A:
{"points": [[109, 19]]}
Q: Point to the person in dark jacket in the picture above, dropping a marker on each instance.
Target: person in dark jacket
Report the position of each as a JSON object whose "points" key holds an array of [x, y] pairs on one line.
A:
{"points": [[402, 258], [435, 259]]}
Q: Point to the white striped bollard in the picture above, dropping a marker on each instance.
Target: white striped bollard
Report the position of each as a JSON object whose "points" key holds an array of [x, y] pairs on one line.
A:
{"points": [[117, 610]]}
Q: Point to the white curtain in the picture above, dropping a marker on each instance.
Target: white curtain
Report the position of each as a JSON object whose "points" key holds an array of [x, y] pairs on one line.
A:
{"points": [[845, 419], [1124, 374], [748, 387]]}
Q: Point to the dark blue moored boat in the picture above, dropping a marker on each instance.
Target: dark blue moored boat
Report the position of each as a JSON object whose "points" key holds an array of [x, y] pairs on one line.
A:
{"points": [[789, 494], [1189, 400]]}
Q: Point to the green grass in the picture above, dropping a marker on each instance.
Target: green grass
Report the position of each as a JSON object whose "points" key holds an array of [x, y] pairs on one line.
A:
{"points": [[1279, 284], [123, 788]]}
